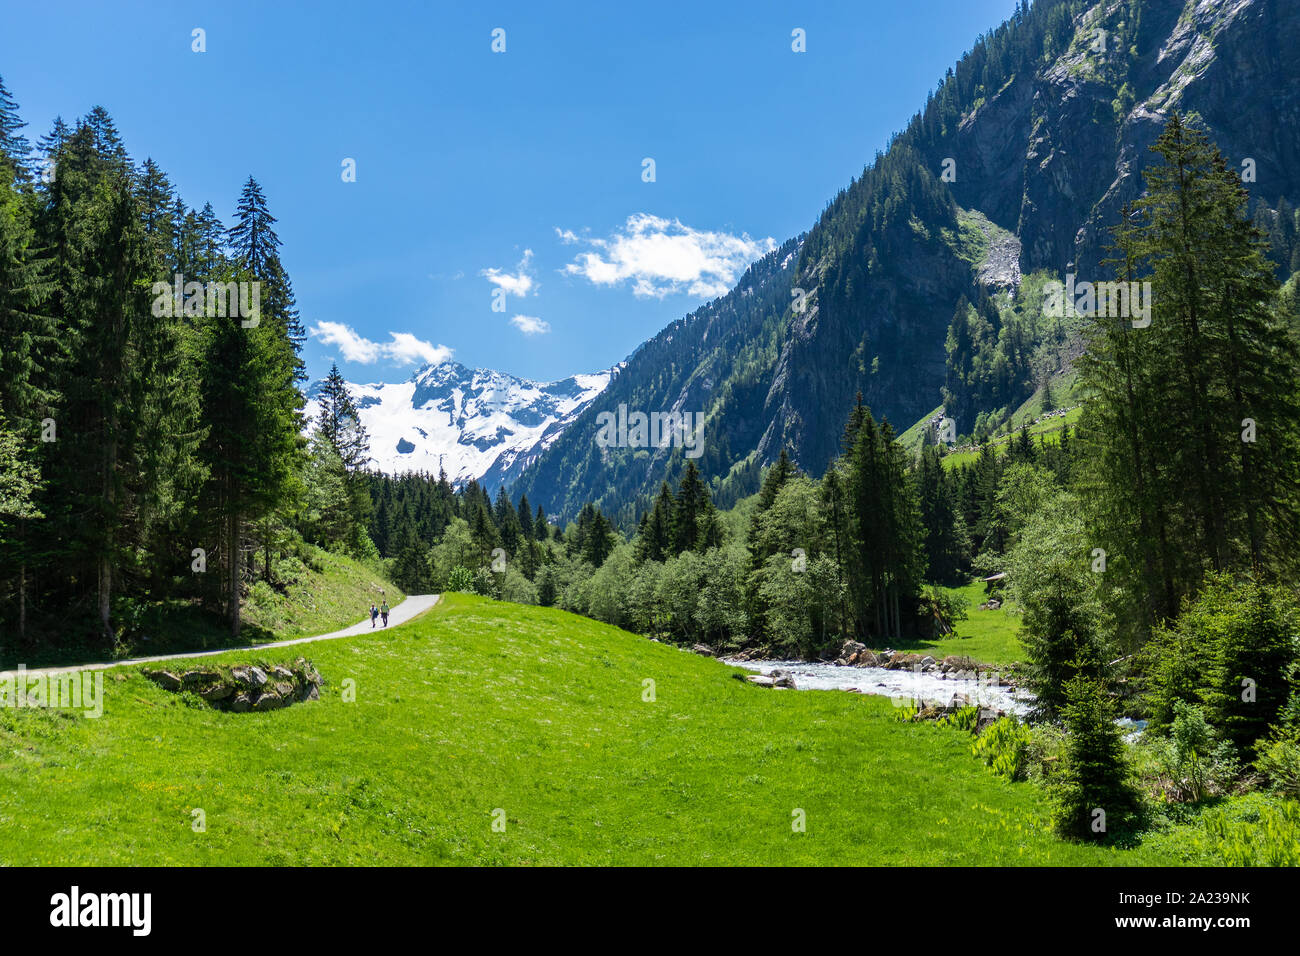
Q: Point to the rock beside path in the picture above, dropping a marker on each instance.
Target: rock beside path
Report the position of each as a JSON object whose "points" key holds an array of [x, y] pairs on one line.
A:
{"points": [[246, 687]]}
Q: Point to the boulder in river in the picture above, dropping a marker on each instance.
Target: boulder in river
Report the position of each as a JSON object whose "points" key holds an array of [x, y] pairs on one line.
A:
{"points": [[849, 653]]}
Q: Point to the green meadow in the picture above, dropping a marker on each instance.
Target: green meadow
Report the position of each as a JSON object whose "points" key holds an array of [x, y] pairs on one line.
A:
{"points": [[987, 636], [582, 743]]}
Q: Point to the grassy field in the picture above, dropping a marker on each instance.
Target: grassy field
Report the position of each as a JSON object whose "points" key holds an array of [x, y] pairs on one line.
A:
{"points": [[989, 637], [479, 708]]}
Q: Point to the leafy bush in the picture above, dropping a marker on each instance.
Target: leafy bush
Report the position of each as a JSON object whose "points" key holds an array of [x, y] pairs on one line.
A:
{"points": [[1268, 836], [1279, 761], [1194, 761], [905, 713], [1044, 745], [486, 583], [949, 606], [966, 718], [1064, 622], [517, 588], [1004, 746], [461, 578], [1279, 753]]}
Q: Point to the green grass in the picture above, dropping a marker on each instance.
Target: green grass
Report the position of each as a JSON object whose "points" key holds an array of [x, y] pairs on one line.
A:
{"points": [[972, 242], [1065, 391], [478, 706], [914, 437], [333, 594], [989, 637], [1050, 429]]}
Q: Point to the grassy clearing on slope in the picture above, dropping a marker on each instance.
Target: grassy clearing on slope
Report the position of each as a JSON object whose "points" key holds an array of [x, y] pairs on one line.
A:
{"points": [[914, 437], [335, 592], [479, 706], [1065, 393], [1050, 429]]}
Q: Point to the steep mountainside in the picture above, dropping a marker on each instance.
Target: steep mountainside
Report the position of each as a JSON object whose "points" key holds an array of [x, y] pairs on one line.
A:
{"points": [[1042, 130], [475, 423], [718, 361]]}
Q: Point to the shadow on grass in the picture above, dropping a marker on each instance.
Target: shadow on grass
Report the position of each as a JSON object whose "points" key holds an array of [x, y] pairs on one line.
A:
{"points": [[168, 628]]}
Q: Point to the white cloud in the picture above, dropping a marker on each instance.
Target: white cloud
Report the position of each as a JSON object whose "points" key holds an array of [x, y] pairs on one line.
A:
{"points": [[402, 349], [405, 349], [663, 256], [530, 325], [519, 282]]}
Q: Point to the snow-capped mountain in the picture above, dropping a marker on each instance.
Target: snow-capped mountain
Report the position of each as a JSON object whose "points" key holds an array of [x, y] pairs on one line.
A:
{"points": [[475, 423]]}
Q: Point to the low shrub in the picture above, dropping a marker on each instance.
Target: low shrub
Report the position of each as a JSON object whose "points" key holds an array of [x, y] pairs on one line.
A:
{"points": [[1004, 746], [1267, 836], [1279, 761]]}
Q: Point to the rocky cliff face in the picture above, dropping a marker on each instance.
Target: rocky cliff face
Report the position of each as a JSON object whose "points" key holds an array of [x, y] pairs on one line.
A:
{"points": [[880, 340], [1055, 154]]}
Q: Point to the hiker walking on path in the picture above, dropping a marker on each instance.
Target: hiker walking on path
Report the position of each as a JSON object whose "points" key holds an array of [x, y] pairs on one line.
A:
{"points": [[374, 613], [383, 610]]}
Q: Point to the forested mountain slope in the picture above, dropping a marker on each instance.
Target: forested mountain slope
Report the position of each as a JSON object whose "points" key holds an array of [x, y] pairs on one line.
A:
{"points": [[1042, 131]]}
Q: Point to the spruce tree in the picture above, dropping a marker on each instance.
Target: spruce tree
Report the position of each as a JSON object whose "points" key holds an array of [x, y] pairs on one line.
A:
{"points": [[525, 518], [252, 237], [14, 147], [28, 348], [49, 145], [100, 261], [692, 518], [654, 543], [1192, 429], [340, 421], [1093, 797]]}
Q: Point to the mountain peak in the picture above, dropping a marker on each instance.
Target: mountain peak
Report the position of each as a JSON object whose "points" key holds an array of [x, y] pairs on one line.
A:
{"points": [[477, 423]]}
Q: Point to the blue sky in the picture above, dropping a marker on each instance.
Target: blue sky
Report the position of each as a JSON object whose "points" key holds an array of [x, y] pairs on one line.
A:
{"points": [[477, 171]]}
